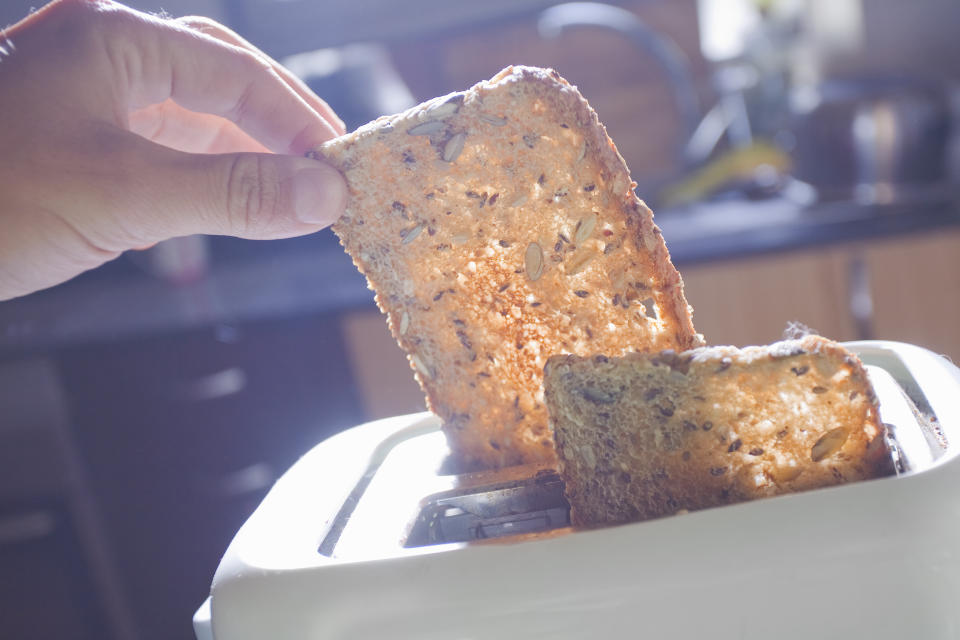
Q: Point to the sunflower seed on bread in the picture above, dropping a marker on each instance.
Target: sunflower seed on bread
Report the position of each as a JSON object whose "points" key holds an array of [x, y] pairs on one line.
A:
{"points": [[498, 226], [648, 435]]}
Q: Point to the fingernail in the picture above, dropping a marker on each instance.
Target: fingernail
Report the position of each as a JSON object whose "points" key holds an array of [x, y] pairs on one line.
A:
{"points": [[319, 193]]}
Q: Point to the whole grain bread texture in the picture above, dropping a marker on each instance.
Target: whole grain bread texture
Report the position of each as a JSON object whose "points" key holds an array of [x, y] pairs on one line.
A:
{"points": [[649, 435], [498, 226]]}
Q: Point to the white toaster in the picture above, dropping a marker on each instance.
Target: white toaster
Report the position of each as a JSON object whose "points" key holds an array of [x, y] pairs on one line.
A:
{"points": [[368, 536]]}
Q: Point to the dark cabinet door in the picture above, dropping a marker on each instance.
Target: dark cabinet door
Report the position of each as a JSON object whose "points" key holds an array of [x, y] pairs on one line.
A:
{"points": [[184, 434], [45, 586]]}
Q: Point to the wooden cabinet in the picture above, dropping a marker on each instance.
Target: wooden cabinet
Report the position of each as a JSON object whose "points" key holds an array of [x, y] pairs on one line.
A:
{"points": [[751, 301], [383, 376], [915, 290], [905, 288]]}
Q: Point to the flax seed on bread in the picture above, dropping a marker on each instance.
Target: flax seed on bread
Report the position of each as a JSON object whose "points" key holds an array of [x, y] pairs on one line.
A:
{"points": [[498, 226], [647, 435]]}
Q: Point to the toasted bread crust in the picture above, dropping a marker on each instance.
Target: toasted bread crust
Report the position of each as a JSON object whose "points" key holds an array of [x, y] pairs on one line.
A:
{"points": [[498, 227], [648, 435]]}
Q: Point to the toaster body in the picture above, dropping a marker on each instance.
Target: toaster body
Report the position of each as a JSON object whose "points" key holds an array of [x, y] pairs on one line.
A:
{"points": [[370, 536]]}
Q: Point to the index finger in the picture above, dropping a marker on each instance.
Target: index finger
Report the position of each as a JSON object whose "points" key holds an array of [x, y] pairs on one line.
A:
{"points": [[202, 73], [215, 29]]}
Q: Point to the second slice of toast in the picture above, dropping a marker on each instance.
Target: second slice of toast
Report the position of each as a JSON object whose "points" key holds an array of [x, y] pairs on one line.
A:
{"points": [[648, 435]]}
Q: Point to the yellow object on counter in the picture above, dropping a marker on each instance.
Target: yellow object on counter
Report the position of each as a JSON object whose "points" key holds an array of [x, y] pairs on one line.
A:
{"points": [[738, 164]]}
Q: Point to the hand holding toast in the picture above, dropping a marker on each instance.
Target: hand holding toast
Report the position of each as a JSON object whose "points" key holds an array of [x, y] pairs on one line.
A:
{"points": [[122, 129]]}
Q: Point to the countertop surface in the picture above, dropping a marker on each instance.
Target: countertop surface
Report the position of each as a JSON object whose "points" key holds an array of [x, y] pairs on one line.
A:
{"points": [[252, 281], [737, 228]]}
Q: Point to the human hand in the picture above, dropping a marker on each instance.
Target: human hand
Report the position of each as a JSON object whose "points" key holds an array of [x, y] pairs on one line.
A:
{"points": [[120, 129]]}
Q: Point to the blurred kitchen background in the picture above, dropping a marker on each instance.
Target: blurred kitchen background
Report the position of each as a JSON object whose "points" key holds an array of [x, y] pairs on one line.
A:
{"points": [[801, 157]]}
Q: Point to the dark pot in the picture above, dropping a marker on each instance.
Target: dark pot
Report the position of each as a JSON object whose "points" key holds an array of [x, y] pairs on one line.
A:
{"points": [[873, 138]]}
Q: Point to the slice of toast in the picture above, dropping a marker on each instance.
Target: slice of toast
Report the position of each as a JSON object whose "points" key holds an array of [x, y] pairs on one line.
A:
{"points": [[498, 226], [648, 435]]}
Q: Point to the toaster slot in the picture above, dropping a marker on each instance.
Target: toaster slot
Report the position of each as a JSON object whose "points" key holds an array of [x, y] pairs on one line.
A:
{"points": [[409, 502], [910, 438], [530, 505]]}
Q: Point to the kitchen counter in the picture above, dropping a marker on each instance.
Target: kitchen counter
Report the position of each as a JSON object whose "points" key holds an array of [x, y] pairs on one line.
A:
{"points": [[260, 281], [737, 228], [125, 303]]}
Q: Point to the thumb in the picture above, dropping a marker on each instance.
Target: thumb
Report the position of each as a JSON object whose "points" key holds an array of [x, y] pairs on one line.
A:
{"points": [[248, 195]]}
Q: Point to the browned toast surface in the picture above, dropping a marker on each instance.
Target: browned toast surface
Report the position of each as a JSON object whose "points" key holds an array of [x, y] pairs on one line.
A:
{"points": [[498, 227], [648, 435]]}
